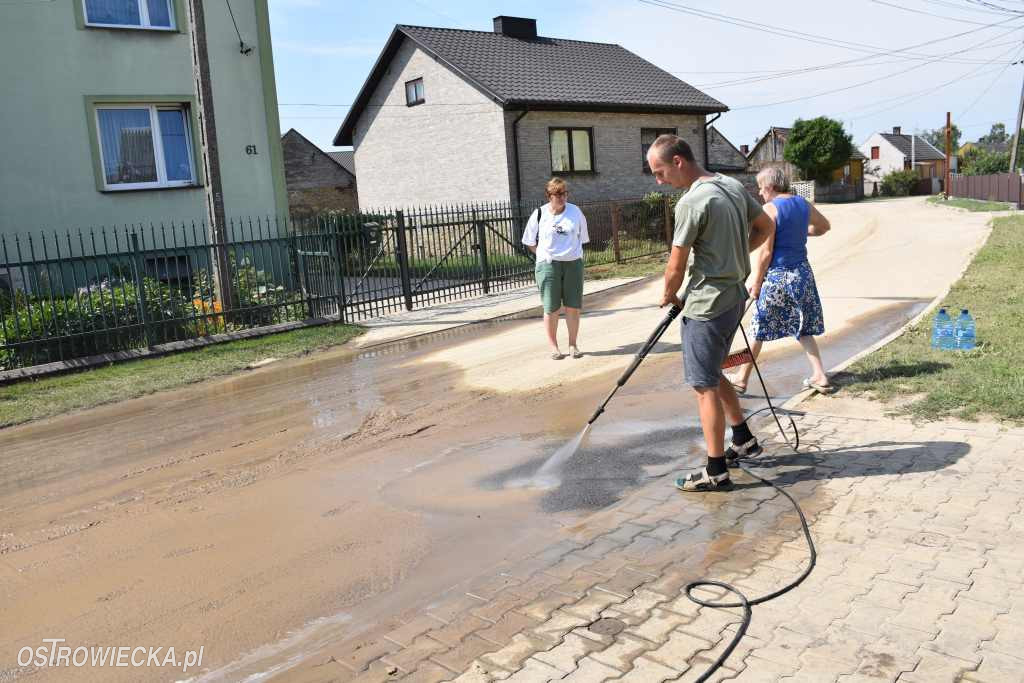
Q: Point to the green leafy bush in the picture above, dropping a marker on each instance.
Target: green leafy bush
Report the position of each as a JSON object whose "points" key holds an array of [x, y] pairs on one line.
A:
{"points": [[898, 183], [97, 319], [258, 299]]}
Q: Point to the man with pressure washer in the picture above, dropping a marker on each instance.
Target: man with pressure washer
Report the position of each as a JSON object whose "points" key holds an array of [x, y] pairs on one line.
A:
{"points": [[720, 223]]}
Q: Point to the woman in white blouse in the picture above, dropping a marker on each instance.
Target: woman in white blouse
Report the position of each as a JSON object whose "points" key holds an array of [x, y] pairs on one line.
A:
{"points": [[556, 233]]}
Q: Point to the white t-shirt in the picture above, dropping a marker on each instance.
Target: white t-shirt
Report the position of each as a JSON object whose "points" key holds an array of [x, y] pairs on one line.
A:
{"points": [[557, 238]]}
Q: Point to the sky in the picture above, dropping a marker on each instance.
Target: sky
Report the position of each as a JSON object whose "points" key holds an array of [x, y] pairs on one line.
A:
{"points": [[324, 50]]}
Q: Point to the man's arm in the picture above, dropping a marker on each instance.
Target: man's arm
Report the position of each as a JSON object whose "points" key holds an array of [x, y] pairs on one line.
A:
{"points": [[762, 228], [675, 271]]}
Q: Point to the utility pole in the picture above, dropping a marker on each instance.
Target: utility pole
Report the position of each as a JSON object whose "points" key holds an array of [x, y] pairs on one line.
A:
{"points": [[221, 264], [1016, 131], [949, 154]]}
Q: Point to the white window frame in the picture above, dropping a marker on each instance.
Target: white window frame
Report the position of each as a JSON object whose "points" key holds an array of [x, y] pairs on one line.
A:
{"points": [[158, 148], [143, 24]]}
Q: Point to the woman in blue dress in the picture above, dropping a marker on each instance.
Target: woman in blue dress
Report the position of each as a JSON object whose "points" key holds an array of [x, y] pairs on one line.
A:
{"points": [[782, 281]]}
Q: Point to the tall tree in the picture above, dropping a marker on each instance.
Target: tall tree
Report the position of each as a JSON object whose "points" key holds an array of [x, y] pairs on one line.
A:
{"points": [[937, 137], [818, 147], [997, 134]]}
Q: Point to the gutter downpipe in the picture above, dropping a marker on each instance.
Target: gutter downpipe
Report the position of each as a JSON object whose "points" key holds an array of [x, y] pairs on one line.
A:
{"points": [[707, 124], [515, 155]]}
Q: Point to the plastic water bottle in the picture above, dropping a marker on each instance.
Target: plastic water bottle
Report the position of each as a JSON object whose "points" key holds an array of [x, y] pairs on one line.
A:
{"points": [[942, 331], [965, 331]]}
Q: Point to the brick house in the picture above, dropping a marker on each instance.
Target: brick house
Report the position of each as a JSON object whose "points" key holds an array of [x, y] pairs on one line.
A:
{"points": [[452, 115], [317, 182]]}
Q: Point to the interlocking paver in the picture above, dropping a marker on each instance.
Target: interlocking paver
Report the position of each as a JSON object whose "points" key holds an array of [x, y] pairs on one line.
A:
{"points": [[920, 575], [569, 652]]}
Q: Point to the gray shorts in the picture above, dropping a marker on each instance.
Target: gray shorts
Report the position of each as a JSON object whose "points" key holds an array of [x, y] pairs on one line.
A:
{"points": [[706, 344]]}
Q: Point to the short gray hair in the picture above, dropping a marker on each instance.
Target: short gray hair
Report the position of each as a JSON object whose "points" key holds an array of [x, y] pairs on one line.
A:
{"points": [[775, 178]]}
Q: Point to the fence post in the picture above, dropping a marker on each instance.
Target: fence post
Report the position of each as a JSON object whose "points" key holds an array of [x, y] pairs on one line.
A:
{"points": [[140, 288], [402, 254], [338, 252], [668, 222], [481, 244], [616, 224]]}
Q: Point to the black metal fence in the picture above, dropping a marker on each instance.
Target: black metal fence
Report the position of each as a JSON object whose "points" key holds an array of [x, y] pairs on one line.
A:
{"points": [[85, 292]]}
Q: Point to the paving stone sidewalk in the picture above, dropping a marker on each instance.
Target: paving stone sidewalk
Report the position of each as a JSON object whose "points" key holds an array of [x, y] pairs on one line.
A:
{"points": [[919, 578]]}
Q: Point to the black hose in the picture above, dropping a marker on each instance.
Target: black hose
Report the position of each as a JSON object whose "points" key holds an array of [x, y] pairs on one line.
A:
{"points": [[745, 602]]}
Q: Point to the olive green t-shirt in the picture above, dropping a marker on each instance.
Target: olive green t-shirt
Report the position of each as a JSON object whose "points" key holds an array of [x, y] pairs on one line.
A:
{"points": [[713, 218]]}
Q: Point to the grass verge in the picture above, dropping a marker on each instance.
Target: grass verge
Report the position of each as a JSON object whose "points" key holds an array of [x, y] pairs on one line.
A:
{"points": [[50, 396], [971, 204], [637, 267], [985, 382]]}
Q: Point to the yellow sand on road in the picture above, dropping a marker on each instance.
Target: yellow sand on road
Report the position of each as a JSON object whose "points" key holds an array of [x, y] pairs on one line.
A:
{"points": [[877, 253]]}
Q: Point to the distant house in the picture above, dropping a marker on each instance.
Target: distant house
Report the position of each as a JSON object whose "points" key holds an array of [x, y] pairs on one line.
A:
{"points": [[769, 149], [317, 181], [897, 152], [847, 180], [451, 115], [347, 159], [723, 155]]}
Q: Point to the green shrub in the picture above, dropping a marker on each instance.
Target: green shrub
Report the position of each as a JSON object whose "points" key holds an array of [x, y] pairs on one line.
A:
{"points": [[98, 319], [258, 300], [898, 183]]}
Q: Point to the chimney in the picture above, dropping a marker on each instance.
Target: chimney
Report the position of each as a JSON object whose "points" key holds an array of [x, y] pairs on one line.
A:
{"points": [[745, 150], [516, 27], [896, 130]]}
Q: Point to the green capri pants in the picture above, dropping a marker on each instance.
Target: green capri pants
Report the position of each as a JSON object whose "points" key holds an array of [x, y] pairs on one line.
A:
{"points": [[560, 283]]}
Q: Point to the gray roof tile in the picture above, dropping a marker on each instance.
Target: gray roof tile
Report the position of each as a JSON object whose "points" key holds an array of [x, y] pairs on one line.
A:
{"points": [[347, 159], [556, 71], [922, 150], [542, 73]]}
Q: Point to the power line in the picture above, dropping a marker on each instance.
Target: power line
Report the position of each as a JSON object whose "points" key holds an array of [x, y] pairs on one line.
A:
{"points": [[799, 35], [910, 97], [927, 14], [848, 87], [985, 91], [855, 63]]}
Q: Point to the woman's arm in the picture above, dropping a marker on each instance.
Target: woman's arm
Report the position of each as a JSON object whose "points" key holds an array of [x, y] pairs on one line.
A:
{"points": [[819, 225], [762, 257]]}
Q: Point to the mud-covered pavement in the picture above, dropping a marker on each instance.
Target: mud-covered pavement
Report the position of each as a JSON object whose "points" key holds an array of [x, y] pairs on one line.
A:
{"points": [[265, 515]]}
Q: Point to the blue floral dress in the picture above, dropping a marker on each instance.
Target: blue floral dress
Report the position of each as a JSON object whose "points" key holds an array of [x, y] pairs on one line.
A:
{"points": [[789, 305]]}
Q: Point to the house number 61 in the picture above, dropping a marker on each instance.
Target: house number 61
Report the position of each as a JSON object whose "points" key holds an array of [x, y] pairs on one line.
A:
{"points": [[250, 149]]}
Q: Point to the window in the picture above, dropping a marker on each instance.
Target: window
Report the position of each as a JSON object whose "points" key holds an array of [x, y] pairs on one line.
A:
{"points": [[647, 138], [874, 152], [151, 14], [414, 92], [572, 150], [145, 146]]}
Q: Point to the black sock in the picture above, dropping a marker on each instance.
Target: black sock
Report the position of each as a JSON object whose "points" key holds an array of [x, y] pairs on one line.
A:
{"points": [[716, 466], [741, 433]]}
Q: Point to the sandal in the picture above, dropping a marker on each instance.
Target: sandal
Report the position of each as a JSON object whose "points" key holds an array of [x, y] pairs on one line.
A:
{"points": [[557, 355], [575, 352], [820, 388], [740, 387]]}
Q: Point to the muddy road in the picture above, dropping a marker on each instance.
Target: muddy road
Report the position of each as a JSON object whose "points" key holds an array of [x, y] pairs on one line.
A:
{"points": [[264, 515]]}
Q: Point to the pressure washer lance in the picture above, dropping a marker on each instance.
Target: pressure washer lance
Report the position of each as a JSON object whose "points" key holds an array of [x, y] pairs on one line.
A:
{"points": [[745, 356]]}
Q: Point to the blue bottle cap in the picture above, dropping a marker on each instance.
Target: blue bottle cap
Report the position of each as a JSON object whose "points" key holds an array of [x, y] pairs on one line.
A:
{"points": [[963, 311], [941, 311]]}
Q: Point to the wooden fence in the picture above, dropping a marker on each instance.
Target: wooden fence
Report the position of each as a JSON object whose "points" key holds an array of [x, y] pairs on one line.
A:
{"points": [[998, 187]]}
